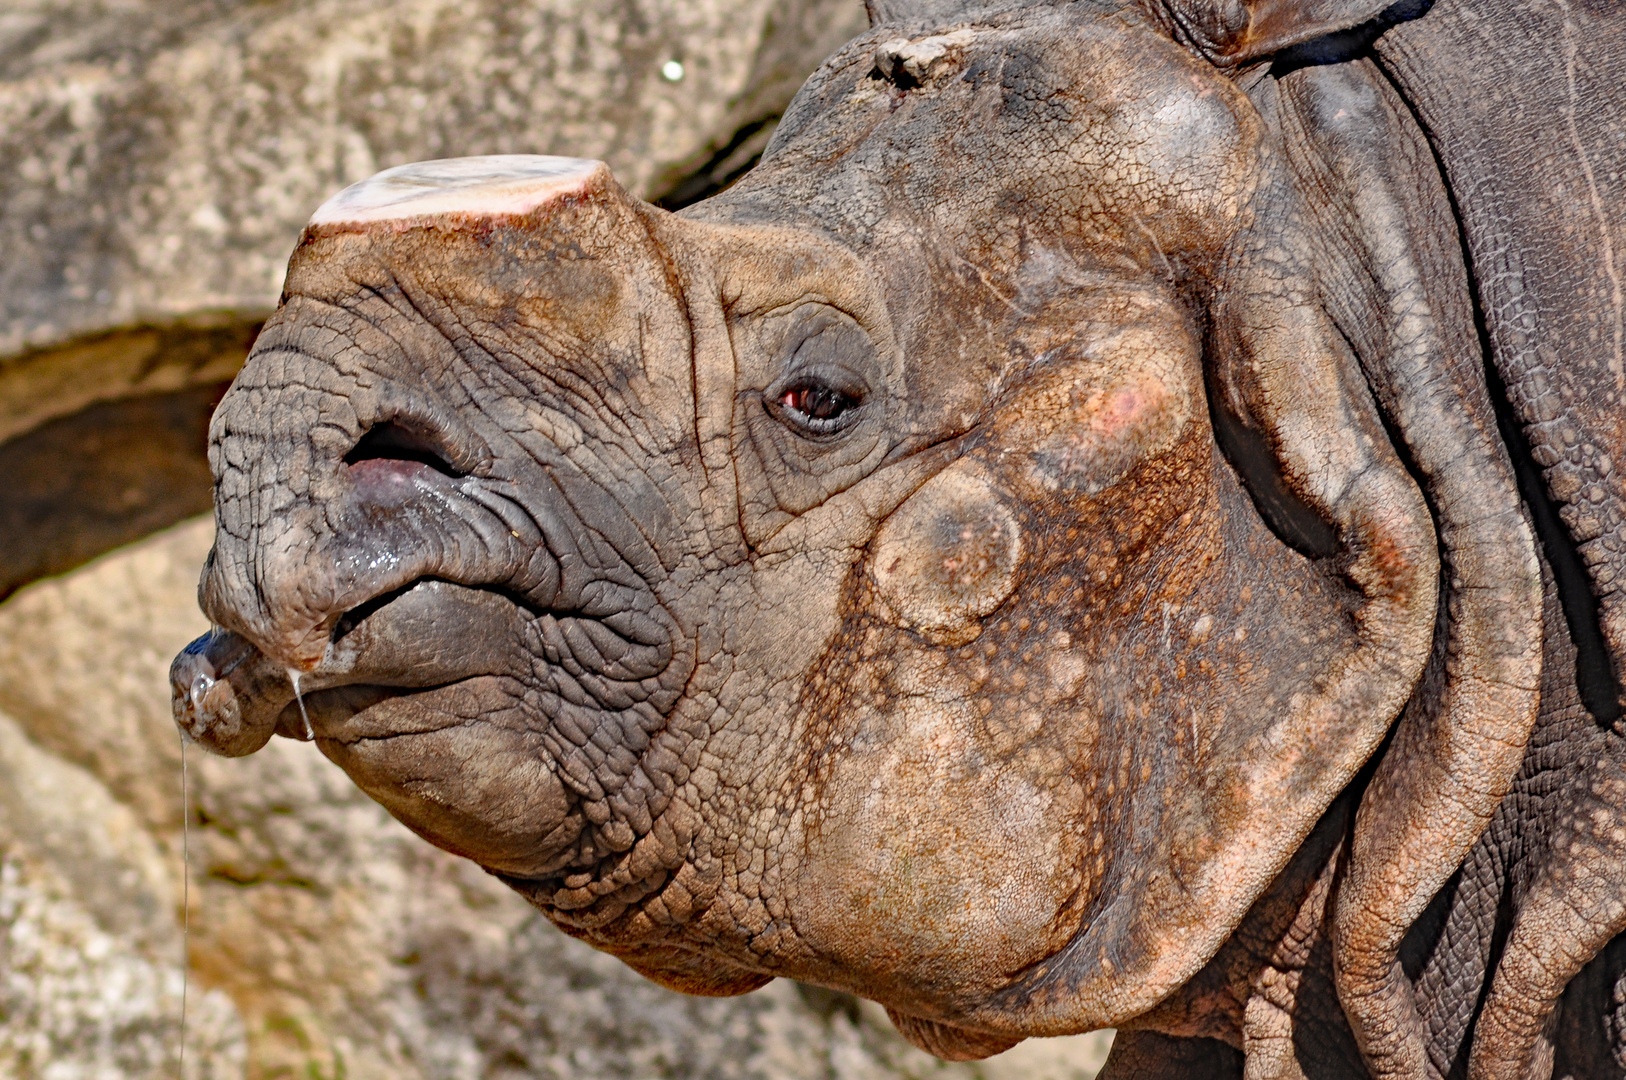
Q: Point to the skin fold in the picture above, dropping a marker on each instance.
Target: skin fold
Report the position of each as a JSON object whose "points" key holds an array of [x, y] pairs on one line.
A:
{"points": [[1041, 552]]}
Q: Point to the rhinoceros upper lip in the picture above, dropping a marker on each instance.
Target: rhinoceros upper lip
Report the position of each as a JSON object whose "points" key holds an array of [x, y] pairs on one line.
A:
{"points": [[427, 633]]}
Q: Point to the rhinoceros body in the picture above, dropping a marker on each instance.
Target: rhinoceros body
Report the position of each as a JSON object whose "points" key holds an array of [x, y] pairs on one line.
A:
{"points": [[1115, 522]]}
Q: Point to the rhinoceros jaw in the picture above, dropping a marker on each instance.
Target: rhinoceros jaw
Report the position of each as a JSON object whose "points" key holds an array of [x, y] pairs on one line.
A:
{"points": [[496, 185]]}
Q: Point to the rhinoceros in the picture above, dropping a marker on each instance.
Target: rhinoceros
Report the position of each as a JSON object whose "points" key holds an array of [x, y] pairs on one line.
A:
{"points": [[1115, 521]]}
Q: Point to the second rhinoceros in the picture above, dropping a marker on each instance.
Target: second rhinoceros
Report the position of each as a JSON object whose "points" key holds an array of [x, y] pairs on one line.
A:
{"points": [[1044, 551]]}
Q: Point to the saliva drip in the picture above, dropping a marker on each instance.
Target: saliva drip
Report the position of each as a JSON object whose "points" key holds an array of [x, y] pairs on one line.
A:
{"points": [[293, 678], [186, 907]]}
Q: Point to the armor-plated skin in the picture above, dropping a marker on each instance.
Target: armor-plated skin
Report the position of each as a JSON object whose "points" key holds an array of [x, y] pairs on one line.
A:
{"points": [[969, 562]]}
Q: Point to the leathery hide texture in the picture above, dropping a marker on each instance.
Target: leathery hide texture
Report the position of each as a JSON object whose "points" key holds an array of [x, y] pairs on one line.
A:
{"points": [[1092, 531]]}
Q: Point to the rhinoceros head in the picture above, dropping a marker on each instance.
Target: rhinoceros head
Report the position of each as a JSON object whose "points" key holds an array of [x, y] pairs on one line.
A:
{"points": [[842, 579]]}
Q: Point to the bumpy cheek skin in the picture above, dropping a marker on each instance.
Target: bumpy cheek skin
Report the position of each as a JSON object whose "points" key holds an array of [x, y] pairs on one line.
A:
{"points": [[1102, 433], [935, 871], [947, 557], [934, 867]]}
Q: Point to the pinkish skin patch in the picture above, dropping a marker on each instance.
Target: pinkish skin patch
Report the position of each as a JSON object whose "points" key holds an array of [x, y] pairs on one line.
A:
{"points": [[496, 185], [1106, 415], [1124, 406]]}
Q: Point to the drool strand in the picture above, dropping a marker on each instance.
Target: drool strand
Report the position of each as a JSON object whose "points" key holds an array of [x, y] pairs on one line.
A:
{"points": [[186, 908], [293, 678]]}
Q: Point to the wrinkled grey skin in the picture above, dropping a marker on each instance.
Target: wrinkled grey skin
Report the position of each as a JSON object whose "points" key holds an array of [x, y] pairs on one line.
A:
{"points": [[1044, 551]]}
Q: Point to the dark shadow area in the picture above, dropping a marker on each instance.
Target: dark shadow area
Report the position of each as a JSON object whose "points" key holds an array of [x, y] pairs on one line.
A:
{"points": [[1255, 464], [81, 485], [1346, 45], [1150, 1055], [724, 167], [1594, 678], [1591, 1030]]}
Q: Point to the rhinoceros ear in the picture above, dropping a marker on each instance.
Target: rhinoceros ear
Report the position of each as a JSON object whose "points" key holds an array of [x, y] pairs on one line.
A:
{"points": [[1231, 32]]}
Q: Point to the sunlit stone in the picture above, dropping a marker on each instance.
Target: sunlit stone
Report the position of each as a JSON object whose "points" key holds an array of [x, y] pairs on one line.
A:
{"points": [[496, 184]]}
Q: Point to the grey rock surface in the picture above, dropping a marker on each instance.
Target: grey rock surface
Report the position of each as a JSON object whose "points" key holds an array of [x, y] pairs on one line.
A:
{"points": [[79, 1002], [325, 939], [162, 155]]}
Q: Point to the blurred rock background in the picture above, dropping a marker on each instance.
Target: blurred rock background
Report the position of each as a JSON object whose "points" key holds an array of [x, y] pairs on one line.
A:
{"points": [[160, 158]]}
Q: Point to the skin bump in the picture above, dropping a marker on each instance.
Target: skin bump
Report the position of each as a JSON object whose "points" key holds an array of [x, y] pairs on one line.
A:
{"points": [[948, 556]]}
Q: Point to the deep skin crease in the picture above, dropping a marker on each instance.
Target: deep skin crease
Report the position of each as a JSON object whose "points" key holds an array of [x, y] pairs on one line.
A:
{"points": [[1038, 552]]}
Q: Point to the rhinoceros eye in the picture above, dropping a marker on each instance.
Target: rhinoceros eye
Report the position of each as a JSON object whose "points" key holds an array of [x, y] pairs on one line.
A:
{"points": [[827, 371], [817, 402]]}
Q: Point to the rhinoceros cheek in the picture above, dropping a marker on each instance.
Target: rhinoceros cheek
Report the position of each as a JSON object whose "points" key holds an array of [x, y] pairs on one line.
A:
{"points": [[947, 557], [467, 783], [936, 865]]}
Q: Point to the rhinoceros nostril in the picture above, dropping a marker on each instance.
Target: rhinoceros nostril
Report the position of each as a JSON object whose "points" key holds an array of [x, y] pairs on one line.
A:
{"points": [[391, 441]]}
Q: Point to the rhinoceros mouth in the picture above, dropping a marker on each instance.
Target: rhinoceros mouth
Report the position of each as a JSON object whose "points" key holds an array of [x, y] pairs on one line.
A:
{"points": [[231, 696], [425, 637]]}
